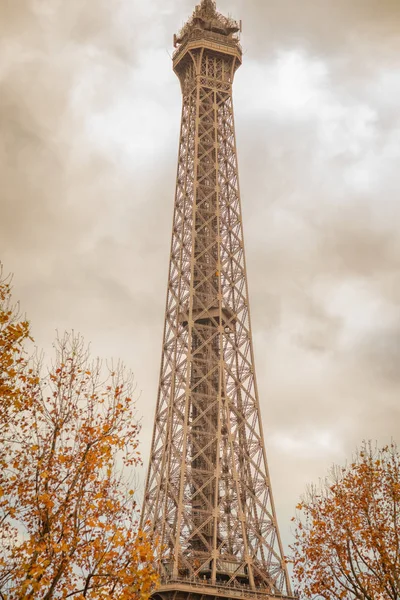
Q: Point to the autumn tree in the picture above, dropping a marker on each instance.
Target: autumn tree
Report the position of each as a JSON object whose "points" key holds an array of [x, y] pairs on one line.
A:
{"points": [[14, 333], [348, 530], [69, 437]]}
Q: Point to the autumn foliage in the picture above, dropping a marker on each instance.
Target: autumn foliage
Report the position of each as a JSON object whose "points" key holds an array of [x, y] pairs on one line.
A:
{"points": [[348, 531], [69, 437], [14, 332]]}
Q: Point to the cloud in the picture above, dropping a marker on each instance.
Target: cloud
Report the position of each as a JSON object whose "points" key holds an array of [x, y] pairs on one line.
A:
{"points": [[364, 31], [89, 122]]}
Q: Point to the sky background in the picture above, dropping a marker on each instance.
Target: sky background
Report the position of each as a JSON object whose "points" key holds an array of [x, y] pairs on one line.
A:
{"points": [[89, 126]]}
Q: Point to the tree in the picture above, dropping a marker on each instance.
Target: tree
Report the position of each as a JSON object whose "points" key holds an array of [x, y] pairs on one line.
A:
{"points": [[14, 333], [68, 515], [348, 530]]}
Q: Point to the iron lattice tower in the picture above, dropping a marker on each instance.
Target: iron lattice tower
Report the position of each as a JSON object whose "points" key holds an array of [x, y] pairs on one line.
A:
{"points": [[208, 496]]}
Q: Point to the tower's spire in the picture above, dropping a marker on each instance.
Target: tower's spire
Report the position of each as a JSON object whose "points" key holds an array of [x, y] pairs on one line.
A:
{"points": [[206, 18], [208, 5]]}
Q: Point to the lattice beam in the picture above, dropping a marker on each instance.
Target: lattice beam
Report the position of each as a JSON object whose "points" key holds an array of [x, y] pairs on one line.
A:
{"points": [[208, 496]]}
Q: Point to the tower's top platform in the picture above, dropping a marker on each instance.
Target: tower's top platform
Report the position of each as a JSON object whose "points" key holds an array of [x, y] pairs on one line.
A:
{"points": [[207, 23]]}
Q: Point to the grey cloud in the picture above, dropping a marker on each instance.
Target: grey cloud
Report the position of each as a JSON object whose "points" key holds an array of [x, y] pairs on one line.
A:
{"points": [[364, 30], [89, 125], [356, 246], [381, 353]]}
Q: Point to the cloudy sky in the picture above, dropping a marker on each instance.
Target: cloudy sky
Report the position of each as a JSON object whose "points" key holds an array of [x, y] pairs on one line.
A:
{"points": [[89, 122]]}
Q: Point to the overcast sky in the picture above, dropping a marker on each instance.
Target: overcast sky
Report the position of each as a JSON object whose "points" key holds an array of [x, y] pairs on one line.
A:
{"points": [[89, 123]]}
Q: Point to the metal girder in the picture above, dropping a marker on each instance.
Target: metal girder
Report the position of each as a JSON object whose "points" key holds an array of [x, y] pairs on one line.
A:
{"points": [[208, 497]]}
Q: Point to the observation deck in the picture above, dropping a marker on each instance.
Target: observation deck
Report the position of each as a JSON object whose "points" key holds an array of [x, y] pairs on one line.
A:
{"points": [[228, 591], [208, 29]]}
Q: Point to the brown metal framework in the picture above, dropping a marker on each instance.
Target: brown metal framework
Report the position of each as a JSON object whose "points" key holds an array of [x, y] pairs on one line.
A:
{"points": [[208, 496]]}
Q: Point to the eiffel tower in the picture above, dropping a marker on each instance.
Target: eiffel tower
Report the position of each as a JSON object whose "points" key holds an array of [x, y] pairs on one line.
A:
{"points": [[208, 499]]}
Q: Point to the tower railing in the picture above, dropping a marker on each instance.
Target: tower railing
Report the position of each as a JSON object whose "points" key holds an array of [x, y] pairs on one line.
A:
{"points": [[210, 36], [234, 588]]}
